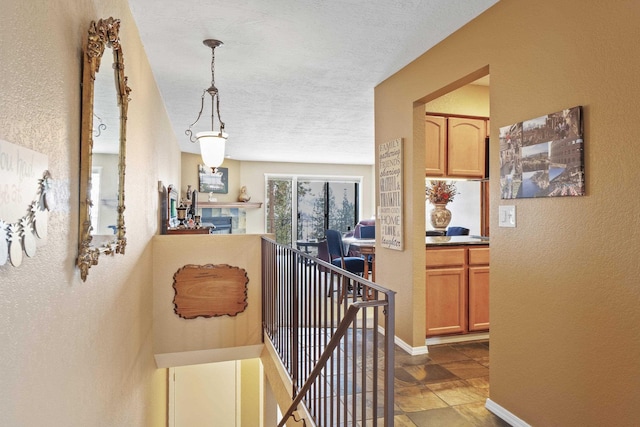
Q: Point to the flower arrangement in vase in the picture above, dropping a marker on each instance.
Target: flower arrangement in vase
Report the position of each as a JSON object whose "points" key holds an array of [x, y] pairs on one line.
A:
{"points": [[439, 193]]}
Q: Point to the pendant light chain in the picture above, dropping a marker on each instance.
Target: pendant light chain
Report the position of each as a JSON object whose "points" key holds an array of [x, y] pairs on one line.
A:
{"points": [[213, 67], [213, 85]]}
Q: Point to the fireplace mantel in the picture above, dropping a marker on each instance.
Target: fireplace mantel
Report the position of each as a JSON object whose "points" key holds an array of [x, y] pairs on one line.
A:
{"points": [[241, 205]]}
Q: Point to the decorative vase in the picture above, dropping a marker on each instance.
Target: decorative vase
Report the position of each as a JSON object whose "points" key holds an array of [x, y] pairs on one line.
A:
{"points": [[182, 217], [440, 216], [243, 196]]}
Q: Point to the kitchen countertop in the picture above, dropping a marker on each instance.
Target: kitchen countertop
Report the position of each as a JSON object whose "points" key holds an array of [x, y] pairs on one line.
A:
{"points": [[432, 241]]}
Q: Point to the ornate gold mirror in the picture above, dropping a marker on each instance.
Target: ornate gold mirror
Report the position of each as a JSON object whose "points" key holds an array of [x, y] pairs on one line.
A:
{"points": [[105, 98]]}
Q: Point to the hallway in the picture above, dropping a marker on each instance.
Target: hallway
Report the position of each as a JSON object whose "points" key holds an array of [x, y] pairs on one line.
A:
{"points": [[447, 387]]}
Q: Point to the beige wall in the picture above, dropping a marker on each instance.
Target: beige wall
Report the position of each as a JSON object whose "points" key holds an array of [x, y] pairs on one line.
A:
{"points": [[79, 353], [469, 100], [565, 322], [251, 386], [237, 335]]}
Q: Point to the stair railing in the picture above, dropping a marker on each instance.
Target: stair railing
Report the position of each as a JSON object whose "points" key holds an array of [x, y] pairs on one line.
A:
{"points": [[329, 341]]}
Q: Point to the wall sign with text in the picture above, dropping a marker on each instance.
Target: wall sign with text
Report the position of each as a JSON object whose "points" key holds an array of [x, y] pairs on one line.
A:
{"points": [[25, 198], [390, 194]]}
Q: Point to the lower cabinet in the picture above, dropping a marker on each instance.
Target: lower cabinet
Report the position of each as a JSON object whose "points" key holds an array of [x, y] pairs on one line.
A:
{"points": [[457, 290], [446, 301], [478, 298]]}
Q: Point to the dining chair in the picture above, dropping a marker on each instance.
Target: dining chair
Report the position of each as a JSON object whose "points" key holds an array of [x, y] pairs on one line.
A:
{"points": [[336, 254], [360, 224], [368, 232], [323, 254], [457, 231]]}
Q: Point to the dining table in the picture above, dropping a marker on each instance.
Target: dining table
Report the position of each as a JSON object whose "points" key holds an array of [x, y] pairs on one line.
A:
{"points": [[306, 245], [366, 247]]}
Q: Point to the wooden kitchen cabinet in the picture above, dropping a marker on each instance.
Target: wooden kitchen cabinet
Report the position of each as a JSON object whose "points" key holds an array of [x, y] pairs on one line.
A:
{"points": [[455, 146], [446, 291], [435, 159], [466, 147], [478, 298], [478, 289], [457, 290], [446, 301]]}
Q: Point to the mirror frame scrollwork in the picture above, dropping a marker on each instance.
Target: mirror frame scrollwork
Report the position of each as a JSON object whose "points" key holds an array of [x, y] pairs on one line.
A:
{"points": [[104, 33]]}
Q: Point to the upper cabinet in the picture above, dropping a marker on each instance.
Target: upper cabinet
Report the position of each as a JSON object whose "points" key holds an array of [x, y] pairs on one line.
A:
{"points": [[435, 129], [455, 147], [466, 147]]}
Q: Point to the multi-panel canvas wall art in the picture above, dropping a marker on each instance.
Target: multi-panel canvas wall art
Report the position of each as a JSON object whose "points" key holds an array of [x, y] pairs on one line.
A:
{"points": [[543, 157]]}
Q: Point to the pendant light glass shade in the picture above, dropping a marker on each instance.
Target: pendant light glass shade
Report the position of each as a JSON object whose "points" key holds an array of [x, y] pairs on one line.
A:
{"points": [[212, 146]]}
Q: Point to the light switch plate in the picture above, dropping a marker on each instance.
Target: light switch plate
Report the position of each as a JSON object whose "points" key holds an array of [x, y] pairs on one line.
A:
{"points": [[507, 216]]}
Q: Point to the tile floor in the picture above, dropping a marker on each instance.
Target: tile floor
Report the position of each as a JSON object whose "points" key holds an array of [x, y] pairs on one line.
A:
{"points": [[447, 387]]}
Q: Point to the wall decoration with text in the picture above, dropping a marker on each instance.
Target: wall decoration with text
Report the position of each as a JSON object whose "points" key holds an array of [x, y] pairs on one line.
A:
{"points": [[543, 157], [390, 194], [25, 198]]}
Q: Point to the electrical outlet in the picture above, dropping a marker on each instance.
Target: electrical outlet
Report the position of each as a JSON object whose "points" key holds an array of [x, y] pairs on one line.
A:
{"points": [[507, 216]]}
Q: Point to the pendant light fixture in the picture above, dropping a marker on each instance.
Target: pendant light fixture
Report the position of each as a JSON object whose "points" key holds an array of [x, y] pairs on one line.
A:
{"points": [[212, 143]]}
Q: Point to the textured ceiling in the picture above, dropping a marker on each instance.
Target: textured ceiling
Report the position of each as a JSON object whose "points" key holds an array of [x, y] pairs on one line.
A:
{"points": [[296, 77]]}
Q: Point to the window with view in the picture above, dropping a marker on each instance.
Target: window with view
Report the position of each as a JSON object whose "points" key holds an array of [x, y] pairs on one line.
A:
{"points": [[302, 208]]}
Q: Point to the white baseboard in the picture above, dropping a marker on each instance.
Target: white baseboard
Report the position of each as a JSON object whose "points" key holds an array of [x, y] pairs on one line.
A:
{"points": [[413, 351], [504, 415], [457, 338]]}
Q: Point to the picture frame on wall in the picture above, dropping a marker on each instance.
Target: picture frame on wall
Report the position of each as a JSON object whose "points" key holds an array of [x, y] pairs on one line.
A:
{"points": [[213, 182], [543, 157]]}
